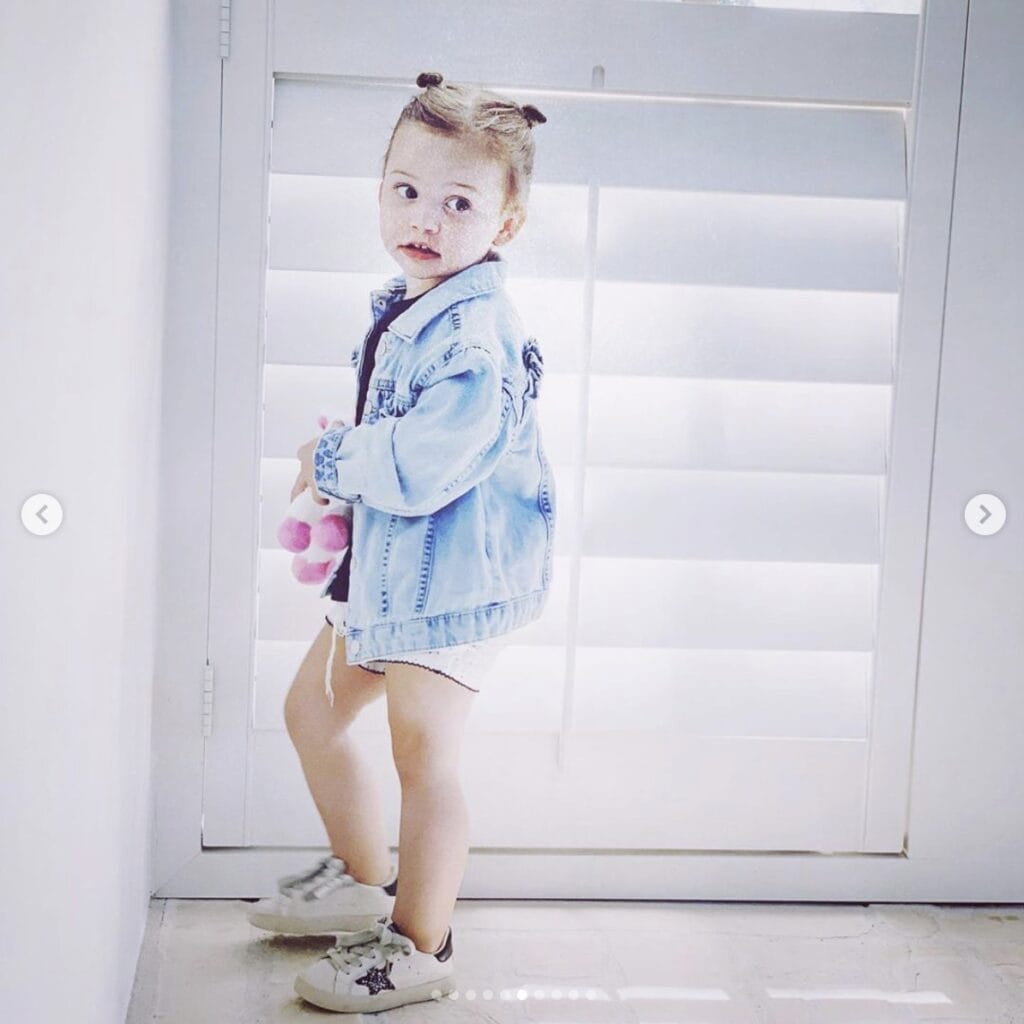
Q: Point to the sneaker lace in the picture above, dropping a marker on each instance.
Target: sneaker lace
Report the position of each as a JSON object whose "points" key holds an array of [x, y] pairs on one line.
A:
{"points": [[333, 877], [355, 947], [327, 875]]}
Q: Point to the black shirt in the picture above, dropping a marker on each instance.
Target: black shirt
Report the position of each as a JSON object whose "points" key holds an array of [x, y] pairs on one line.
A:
{"points": [[339, 585]]}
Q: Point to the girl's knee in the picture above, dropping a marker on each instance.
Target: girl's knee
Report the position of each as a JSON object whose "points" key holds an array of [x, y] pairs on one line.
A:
{"points": [[421, 764]]}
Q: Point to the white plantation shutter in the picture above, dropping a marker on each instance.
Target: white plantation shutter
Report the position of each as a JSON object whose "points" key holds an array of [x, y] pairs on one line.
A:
{"points": [[711, 266]]}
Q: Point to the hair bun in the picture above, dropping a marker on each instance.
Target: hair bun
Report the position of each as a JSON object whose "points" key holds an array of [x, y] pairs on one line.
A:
{"points": [[425, 78], [533, 115]]}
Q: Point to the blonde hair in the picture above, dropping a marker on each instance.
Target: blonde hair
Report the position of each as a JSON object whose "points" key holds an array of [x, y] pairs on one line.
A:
{"points": [[499, 125]]}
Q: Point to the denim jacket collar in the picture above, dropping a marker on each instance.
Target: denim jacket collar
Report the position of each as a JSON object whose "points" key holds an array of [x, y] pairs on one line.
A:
{"points": [[476, 279]]}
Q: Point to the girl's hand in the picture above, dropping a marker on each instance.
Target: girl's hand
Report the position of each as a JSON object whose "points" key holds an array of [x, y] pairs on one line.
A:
{"points": [[306, 477]]}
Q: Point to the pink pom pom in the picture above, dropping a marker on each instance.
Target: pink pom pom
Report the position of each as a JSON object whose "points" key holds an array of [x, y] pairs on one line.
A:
{"points": [[331, 533], [310, 572], [293, 534]]}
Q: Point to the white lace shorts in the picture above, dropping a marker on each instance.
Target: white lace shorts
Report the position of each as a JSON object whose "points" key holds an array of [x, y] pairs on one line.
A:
{"points": [[466, 664]]}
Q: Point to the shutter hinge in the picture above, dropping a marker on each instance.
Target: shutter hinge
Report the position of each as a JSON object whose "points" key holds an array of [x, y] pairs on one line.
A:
{"points": [[225, 29], [208, 700]]}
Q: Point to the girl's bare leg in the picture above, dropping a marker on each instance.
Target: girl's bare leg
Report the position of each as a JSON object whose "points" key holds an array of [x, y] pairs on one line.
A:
{"points": [[427, 713], [342, 783]]}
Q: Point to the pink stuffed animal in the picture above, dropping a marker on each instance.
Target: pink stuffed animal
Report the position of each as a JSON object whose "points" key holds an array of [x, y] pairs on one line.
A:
{"points": [[317, 534]]}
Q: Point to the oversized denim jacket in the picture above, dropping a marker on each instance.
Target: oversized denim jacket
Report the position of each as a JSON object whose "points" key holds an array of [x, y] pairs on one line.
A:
{"points": [[453, 497]]}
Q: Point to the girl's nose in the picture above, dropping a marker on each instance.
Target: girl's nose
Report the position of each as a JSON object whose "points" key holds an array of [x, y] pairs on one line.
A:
{"points": [[426, 219]]}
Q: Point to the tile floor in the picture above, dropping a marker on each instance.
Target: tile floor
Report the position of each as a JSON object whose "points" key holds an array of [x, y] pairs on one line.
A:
{"points": [[548, 962]]}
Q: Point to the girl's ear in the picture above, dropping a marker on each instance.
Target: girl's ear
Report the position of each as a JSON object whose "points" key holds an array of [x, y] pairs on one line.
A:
{"points": [[515, 219]]}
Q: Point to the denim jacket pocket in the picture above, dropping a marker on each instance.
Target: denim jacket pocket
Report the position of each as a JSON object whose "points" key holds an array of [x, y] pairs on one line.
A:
{"points": [[385, 399]]}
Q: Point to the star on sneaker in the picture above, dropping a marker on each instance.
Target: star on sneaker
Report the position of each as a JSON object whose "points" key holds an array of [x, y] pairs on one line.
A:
{"points": [[378, 968], [376, 979]]}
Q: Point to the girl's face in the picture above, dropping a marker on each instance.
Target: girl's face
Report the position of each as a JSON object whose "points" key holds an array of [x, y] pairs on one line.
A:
{"points": [[443, 194]]}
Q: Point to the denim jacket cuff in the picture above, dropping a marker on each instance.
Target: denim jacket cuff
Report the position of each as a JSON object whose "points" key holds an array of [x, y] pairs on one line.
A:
{"points": [[325, 466]]}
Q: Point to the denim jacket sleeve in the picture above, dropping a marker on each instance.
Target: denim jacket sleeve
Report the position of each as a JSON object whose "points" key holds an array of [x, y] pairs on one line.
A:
{"points": [[451, 438]]}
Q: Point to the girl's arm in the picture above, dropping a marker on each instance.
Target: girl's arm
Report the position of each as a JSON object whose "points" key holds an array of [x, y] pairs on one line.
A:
{"points": [[412, 465]]}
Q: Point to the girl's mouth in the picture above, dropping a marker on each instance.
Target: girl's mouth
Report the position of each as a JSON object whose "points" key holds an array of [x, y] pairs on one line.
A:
{"points": [[419, 254]]}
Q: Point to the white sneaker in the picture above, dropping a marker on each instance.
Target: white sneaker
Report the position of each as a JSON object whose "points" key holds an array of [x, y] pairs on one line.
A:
{"points": [[294, 881], [324, 899], [377, 969]]}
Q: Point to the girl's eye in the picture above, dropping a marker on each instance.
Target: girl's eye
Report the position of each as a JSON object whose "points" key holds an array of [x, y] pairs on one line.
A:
{"points": [[457, 199]]}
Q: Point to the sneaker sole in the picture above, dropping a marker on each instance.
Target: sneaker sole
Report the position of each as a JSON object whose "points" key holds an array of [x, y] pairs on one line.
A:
{"points": [[433, 990], [314, 925]]}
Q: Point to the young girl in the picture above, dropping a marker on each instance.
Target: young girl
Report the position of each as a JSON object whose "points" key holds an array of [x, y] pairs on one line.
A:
{"points": [[453, 504]]}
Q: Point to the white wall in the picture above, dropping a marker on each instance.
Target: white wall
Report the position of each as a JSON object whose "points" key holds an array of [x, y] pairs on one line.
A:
{"points": [[967, 803], [84, 110]]}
